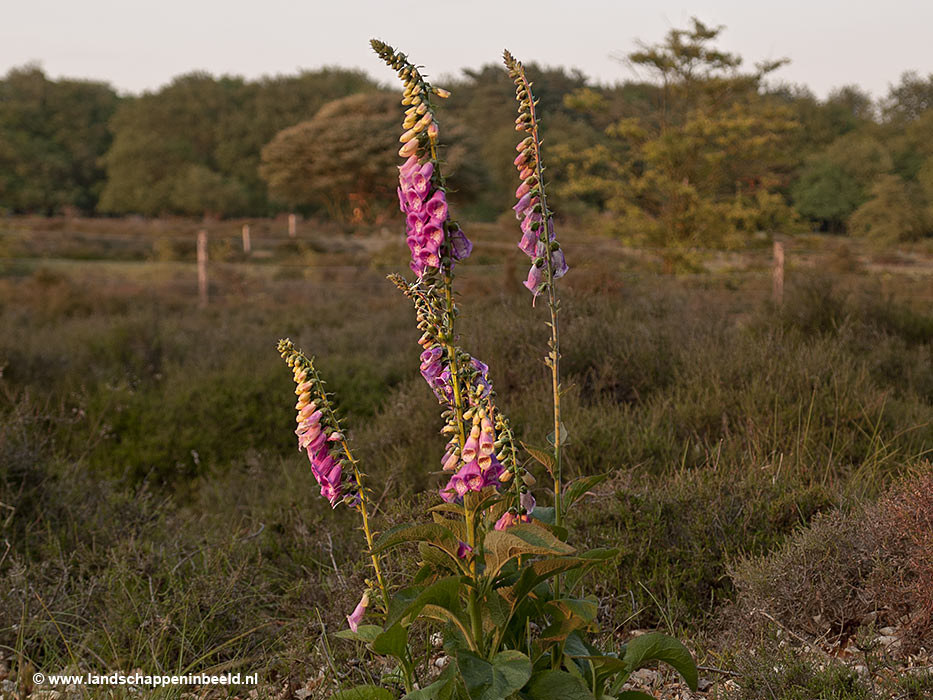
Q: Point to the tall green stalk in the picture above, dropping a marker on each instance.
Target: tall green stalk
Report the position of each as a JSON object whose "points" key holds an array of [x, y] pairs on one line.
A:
{"points": [[421, 138], [528, 121]]}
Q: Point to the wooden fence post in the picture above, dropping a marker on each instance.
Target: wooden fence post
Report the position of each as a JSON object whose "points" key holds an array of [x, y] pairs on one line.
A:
{"points": [[202, 268], [246, 242], [292, 229], [777, 274]]}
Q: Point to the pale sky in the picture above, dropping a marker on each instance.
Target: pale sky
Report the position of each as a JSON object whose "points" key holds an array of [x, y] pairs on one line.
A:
{"points": [[141, 44]]}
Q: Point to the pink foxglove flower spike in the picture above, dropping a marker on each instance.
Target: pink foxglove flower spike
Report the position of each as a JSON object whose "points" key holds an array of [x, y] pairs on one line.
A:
{"points": [[434, 240], [538, 242]]}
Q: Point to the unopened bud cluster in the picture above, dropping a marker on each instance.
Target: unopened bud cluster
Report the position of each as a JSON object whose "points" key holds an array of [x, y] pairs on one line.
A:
{"points": [[318, 430], [538, 239], [435, 241]]}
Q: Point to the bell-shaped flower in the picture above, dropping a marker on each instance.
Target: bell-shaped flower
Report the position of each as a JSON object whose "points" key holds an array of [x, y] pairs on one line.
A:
{"points": [[436, 207], [354, 618], [460, 245]]}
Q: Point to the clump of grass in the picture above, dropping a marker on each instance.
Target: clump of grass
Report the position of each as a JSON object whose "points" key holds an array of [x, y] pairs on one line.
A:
{"points": [[781, 674]]}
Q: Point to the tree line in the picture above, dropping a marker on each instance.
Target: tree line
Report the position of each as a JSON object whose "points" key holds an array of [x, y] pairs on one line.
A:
{"points": [[699, 149]]}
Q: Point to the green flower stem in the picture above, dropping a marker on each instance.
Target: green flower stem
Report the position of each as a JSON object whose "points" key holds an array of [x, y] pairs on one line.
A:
{"points": [[364, 513], [553, 359], [449, 341], [358, 477]]}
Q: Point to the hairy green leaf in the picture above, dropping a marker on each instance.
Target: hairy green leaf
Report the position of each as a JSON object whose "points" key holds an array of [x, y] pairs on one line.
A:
{"points": [[392, 642], [433, 533], [526, 538], [575, 490], [655, 646], [364, 633], [363, 692], [506, 674], [557, 685]]}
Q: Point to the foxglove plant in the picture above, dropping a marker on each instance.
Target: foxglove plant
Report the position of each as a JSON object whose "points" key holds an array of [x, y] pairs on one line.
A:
{"points": [[539, 242], [492, 562]]}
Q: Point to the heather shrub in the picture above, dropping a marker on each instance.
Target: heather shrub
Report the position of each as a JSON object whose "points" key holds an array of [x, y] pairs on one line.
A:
{"points": [[871, 565]]}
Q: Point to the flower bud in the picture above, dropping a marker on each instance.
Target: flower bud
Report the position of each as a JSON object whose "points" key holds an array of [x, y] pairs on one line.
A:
{"points": [[409, 149], [442, 93]]}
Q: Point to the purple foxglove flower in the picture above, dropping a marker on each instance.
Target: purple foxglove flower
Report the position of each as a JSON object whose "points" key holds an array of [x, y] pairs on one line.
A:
{"points": [[433, 235], [436, 207], [431, 355], [528, 243], [450, 461], [460, 486], [487, 437], [506, 521], [308, 410], [463, 549], [428, 258], [524, 203], [530, 219], [527, 501], [492, 474], [509, 519], [559, 264], [460, 245], [354, 618], [534, 280], [522, 190], [448, 493], [402, 201], [442, 388], [481, 367], [471, 445], [331, 493], [314, 444], [421, 179], [431, 364], [308, 437], [406, 169], [471, 478], [484, 462], [415, 223]]}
